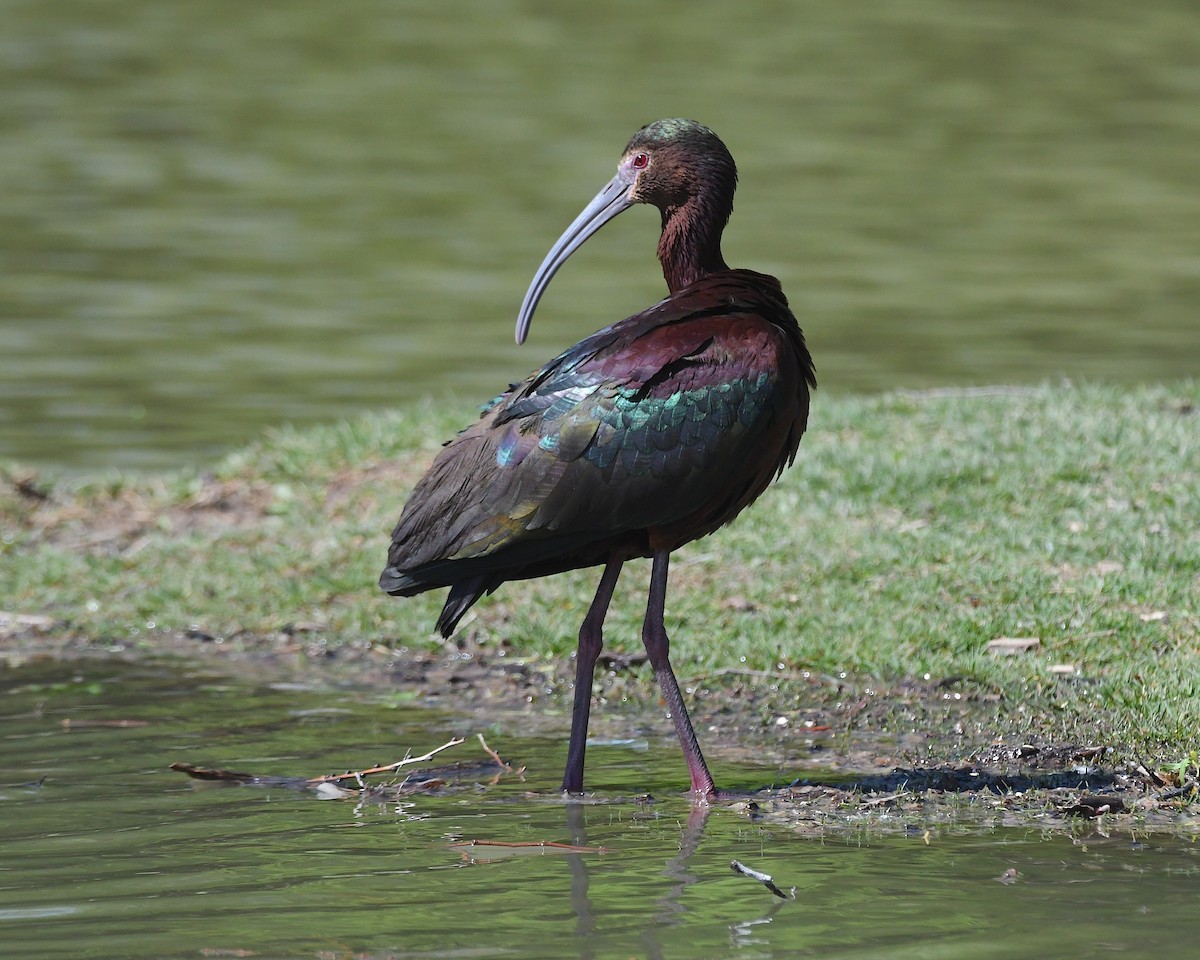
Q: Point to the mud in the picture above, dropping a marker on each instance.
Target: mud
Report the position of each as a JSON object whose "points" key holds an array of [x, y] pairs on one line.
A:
{"points": [[851, 755]]}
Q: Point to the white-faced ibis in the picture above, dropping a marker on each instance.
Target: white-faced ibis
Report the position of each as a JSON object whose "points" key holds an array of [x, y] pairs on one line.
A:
{"points": [[648, 434]]}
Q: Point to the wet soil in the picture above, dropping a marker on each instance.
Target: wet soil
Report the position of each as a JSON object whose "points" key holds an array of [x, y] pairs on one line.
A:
{"points": [[851, 754]]}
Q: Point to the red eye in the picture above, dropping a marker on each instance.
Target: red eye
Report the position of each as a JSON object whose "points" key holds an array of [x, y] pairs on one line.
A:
{"points": [[639, 161]]}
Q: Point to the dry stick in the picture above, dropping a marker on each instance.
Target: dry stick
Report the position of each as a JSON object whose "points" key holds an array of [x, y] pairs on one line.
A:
{"points": [[388, 768], [1191, 786], [529, 843], [504, 765], [492, 753], [764, 878]]}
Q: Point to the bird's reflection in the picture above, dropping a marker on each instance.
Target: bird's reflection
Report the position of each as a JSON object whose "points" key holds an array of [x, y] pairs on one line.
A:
{"points": [[669, 907], [585, 921]]}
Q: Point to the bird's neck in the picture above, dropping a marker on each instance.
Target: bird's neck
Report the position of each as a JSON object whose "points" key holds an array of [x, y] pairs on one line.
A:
{"points": [[690, 245]]}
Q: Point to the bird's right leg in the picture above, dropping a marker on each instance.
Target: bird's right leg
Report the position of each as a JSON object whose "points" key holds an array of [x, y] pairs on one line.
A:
{"points": [[654, 636], [591, 640]]}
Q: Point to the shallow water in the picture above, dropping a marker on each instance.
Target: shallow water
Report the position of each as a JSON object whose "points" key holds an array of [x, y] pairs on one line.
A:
{"points": [[220, 217], [108, 854]]}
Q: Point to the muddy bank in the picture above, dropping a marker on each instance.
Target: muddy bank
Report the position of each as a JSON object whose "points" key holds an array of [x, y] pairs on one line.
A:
{"points": [[851, 754]]}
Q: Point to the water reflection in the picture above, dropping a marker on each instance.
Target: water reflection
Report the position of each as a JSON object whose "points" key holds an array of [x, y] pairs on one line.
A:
{"points": [[113, 855], [669, 910], [585, 928], [743, 935]]}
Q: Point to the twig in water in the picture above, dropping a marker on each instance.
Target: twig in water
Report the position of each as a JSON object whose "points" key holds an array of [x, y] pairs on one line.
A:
{"points": [[492, 753], [763, 878], [392, 767], [339, 785], [548, 844]]}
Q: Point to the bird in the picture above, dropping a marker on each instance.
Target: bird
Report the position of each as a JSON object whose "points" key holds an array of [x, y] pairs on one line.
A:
{"points": [[647, 435]]}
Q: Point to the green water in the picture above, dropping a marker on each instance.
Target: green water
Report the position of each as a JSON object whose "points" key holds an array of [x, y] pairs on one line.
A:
{"points": [[106, 853], [219, 216]]}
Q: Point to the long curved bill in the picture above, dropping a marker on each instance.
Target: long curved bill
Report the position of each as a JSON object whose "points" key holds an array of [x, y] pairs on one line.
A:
{"points": [[604, 206]]}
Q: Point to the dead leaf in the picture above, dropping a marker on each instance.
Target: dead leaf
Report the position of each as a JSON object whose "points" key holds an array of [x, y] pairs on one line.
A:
{"points": [[738, 605], [1009, 646]]}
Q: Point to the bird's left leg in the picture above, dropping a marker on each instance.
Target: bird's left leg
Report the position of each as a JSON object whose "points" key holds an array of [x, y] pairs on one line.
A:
{"points": [[591, 640], [654, 636]]}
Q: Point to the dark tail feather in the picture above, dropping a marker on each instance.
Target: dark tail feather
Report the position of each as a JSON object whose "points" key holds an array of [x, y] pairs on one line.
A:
{"points": [[400, 584], [462, 596]]}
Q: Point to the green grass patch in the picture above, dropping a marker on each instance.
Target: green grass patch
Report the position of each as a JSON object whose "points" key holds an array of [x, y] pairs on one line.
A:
{"points": [[914, 529]]}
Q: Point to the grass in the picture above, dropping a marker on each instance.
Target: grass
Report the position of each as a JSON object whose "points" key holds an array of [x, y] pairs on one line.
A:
{"points": [[914, 529]]}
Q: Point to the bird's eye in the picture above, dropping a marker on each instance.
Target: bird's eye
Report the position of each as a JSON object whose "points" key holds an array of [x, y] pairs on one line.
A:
{"points": [[639, 161]]}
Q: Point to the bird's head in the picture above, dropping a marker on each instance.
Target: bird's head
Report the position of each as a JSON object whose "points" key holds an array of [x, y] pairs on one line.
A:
{"points": [[669, 164]]}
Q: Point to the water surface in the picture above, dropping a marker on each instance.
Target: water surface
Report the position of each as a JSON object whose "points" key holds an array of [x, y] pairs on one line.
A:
{"points": [[217, 217], [108, 854]]}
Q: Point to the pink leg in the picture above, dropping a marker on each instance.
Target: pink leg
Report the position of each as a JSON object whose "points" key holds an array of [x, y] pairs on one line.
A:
{"points": [[654, 636], [591, 640]]}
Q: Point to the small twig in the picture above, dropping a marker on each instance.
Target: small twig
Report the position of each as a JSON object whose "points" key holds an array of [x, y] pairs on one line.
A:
{"points": [[549, 844], [764, 878], [208, 773], [355, 781], [1149, 774], [389, 767], [1190, 786], [492, 753]]}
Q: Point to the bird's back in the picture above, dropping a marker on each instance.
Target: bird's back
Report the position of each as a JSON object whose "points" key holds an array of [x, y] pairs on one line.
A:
{"points": [[647, 434]]}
